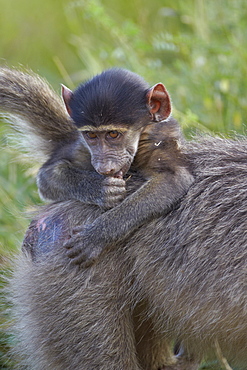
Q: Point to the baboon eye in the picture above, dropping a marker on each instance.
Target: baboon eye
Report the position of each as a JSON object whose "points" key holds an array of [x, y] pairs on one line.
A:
{"points": [[91, 135], [113, 134]]}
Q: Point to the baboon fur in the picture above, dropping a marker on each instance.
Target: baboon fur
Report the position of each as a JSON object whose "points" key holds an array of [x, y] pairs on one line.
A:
{"points": [[39, 115], [180, 277]]}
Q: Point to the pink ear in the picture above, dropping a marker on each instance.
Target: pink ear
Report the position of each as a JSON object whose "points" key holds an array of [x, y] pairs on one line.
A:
{"points": [[66, 95], [159, 102]]}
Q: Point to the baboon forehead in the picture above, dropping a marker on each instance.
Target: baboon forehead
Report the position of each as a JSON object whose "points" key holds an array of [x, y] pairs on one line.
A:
{"points": [[115, 96]]}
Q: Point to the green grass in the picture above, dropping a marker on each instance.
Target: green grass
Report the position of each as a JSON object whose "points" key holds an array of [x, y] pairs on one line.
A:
{"points": [[197, 48]]}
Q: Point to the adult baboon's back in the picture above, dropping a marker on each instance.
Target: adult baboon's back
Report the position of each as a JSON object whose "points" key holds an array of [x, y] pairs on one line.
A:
{"points": [[186, 270]]}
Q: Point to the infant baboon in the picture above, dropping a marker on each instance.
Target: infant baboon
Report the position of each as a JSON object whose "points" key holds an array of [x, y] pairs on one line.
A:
{"points": [[119, 126]]}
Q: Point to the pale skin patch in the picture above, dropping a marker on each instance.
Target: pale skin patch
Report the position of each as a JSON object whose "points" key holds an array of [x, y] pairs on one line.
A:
{"points": [[41, 225]]}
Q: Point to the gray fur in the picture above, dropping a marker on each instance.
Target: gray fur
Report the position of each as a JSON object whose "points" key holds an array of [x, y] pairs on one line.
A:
{"points": [[35, 110], [179, 277], [188, 267]]}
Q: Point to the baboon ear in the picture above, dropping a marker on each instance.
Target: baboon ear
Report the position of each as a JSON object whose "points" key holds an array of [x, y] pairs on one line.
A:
{"points": [[159, 102], [67, 95]]}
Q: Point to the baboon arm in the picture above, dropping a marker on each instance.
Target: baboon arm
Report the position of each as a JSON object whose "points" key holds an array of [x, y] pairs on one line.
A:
{"points": [[155, 197], [64, 180]]}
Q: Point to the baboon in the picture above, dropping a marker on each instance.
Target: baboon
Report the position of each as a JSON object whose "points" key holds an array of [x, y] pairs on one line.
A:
{"points": [[125, 130], [180, 276], [120, 128], [74, 168], [183, 275]]}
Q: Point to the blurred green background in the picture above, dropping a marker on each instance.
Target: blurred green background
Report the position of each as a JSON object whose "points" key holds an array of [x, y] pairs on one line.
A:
{"points": [[197, 48]]}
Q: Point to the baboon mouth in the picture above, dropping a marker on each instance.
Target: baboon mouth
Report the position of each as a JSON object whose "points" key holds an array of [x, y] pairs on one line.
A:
{"points": [[119, 174]]}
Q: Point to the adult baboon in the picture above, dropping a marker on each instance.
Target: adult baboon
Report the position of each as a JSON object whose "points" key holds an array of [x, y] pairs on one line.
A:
{"points": [[185, 273]]}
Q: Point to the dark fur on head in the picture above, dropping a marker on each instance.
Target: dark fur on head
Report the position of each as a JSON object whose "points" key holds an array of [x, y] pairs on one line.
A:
{"points": [[116, 96]]}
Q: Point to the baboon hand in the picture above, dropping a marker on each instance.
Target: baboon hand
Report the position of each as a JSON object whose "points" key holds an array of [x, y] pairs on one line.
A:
{"points": [[84, 247], [113, 192]]}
